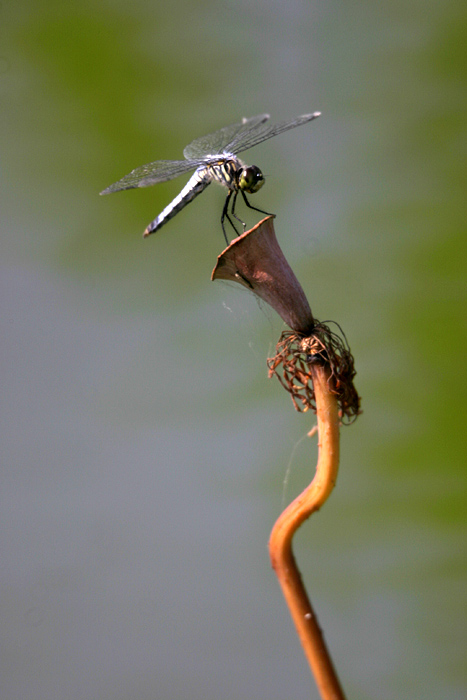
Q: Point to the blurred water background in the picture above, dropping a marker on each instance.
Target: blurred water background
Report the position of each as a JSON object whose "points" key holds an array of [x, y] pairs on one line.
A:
{"points": [[143, 448]]}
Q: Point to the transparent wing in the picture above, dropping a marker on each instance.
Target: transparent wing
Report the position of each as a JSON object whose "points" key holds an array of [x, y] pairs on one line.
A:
{"points": [[261, 132], [215, 143], [152, 173], [231, 139]]}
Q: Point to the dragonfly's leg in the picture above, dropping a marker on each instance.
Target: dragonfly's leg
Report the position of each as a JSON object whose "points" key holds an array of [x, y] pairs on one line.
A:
{"points": [[252, 207], [225, 215], [233, 210]]}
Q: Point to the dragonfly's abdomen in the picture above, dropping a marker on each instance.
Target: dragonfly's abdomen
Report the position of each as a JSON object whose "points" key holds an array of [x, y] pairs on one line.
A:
{"points": [[195, 185]]}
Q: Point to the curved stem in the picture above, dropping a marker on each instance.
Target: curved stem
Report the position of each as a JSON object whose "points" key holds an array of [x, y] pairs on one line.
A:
{"points": [[280, 543]]}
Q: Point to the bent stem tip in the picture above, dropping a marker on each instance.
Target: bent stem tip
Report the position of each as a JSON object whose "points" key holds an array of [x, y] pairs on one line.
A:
{"points": [[256, 261]]}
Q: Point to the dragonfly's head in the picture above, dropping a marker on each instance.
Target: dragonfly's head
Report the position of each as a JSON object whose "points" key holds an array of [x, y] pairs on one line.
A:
{"points": [[250, 179]]}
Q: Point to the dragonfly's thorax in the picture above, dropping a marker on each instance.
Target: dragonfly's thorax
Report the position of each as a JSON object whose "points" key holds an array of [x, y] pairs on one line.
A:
{"points": [[235, 175]]}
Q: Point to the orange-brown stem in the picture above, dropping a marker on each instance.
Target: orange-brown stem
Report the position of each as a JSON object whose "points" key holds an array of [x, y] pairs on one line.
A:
{"points": [[280, 543]]}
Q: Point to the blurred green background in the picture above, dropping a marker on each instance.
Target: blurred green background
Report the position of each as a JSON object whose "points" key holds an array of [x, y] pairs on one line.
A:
{"points": [[143, 448]]}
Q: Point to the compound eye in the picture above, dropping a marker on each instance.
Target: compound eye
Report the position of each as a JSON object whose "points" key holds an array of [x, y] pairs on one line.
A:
{"points": [[251, 179]]}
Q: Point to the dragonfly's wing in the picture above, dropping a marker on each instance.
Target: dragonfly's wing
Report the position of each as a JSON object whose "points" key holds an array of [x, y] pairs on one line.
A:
{"points": [[261, 132], [216, 143], [152, 173]]}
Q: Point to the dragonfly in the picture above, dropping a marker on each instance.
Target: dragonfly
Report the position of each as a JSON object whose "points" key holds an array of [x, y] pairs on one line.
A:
{"points": [[214, 159]]}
